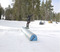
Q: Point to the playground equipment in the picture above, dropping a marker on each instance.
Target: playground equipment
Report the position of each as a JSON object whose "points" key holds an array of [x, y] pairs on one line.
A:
{"points": [[49, 21], [31, 36]]}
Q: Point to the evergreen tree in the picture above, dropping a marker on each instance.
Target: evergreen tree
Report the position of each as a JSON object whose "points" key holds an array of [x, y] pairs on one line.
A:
{"points": [[1, 11], [42, 8], [37, 9], [23, 8], [8, 13], [49, 9]]}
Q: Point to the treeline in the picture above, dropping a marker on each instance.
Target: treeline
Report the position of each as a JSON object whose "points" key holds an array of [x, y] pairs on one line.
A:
{"points": [[39, 9], [1, 11]]}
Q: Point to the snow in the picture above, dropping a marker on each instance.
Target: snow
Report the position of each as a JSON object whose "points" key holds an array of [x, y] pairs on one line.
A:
{"points": [[13, 40]]}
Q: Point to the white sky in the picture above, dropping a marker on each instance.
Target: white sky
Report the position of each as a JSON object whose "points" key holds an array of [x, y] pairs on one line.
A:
{"points": [[56, 4], [5, 3]]}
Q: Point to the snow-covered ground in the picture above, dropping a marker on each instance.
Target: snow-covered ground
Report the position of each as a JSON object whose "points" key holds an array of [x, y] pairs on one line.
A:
{"points": [[13, 40]]}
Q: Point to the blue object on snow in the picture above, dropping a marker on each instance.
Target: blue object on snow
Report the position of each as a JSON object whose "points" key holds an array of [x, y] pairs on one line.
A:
{"points": [[41, 23], [31, 36]]}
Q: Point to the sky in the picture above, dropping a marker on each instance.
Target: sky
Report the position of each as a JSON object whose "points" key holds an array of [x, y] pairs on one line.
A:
{"points": [[5, 3], [55, 3]]}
